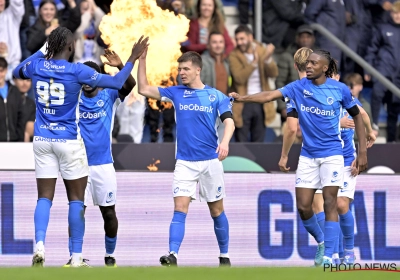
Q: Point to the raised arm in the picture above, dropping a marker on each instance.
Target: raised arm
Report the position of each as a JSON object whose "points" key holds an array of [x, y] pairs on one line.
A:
{"points": [[261, 97], [115, 61], [18, 71], [143, 85]]}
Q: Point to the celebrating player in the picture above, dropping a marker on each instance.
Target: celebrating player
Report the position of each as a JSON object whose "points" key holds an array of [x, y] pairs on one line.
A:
{"points": [[198, 154], [96, 112], [57, 143], [319, 101], [347, 128]]}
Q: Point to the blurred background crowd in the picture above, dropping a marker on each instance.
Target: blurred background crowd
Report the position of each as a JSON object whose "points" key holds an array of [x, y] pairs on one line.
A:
{"points": [[222, 32]]}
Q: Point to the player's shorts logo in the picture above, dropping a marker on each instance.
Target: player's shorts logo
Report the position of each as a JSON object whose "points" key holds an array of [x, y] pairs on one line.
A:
{"points": [[298, 180], [176, 190], [110, 197], [345, 184], [212, 97], [335, 177], [100, 103], [330, 100], [219, 192]]}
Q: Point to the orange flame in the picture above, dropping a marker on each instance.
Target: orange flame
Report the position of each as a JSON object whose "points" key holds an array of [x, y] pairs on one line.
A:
{"points": [[152, 166], [129, 19]]}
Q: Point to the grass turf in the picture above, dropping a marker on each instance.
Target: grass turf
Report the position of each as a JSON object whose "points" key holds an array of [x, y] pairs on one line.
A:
{"points": [[189, 273]]}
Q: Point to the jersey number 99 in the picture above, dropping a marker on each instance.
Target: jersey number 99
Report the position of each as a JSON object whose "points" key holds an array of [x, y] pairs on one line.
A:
{"points": [[45, 89]]}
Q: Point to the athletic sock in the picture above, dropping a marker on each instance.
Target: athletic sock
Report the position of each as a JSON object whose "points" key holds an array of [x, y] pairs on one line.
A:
{"points": [[70, 246], [313, 228], [41, 218], [221, 229], [331, 236], [176, 231], [347, 226], [321, 220], [110, 245], [341, 252], [76, 220]]}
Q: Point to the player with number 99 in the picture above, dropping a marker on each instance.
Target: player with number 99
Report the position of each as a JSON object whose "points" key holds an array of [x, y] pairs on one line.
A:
{"points": [[57, 144]]}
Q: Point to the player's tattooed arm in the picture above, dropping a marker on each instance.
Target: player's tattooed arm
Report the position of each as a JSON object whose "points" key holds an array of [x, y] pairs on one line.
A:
{"points": [[261, 97], [143, 85]]}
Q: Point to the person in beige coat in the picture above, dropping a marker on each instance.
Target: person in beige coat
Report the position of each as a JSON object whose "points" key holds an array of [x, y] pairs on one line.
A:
{"points": [[251, 65]]}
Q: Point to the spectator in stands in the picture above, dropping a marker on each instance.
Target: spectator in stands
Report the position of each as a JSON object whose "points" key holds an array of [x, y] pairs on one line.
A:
{"points": [[355, 82], [28, 107], [380, 10], [251, 65], [209, 20], [243, 7], [191, 10], [332, 15], [384, 54], [280, 21], [10, 20], [49, 20], [215, 72], [86, 46], [28, 20], [287, 73], [131, 118], [11, 110]]}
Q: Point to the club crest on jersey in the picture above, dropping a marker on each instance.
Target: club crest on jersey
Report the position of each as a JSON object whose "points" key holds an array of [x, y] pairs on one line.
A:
{"points": [[187, 93], [330, 100], [212, 97], [100, 103]]}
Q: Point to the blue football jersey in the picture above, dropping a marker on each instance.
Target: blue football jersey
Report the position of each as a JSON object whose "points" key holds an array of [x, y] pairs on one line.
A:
{"points": [[196, 113], [57, 85], [319, 109], [349, 148], [96, 121]]}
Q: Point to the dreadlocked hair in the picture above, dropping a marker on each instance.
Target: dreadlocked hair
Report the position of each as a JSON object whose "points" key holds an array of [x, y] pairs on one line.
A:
{"points": [[332, 65], [93, 65], [57, 41]]}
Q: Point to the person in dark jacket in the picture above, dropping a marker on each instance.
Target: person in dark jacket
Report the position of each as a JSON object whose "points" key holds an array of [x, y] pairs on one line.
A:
{"points": [[11, 111], [384, 54], [28, 106], [49, 20], [281, 18], [331, 15]]}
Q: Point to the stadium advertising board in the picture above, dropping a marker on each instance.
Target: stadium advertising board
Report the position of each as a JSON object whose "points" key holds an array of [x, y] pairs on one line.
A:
{"points": [[265, 229]]}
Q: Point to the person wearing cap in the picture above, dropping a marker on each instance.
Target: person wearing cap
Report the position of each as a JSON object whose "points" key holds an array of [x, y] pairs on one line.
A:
{"points": [[331, 15], [384, 54]]}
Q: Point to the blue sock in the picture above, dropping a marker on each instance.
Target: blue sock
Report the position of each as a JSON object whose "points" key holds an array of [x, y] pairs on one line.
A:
{"points": [[341, 253], [321, 220], [41, 218], [221, 229], [70, 246], [347, 226], [176, 231], [336, 248], [110, 244], [312, 227], [76, 220], [331, 236]]}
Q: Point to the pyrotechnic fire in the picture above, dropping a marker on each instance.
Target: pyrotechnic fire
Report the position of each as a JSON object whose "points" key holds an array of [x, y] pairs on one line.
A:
{"points": [[129, 19], [152, 166]]}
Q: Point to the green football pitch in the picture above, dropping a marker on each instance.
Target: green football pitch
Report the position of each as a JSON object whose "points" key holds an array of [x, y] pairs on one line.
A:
{"points": [[189, 273]]}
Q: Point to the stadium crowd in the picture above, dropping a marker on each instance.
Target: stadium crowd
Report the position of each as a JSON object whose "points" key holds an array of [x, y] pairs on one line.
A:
{"points": [[232, 62]]}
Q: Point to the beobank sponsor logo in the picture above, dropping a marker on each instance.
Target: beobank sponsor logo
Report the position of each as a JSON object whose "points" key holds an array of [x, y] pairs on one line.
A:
{"points": [[317, 111], [195, 107], [88, 115]]}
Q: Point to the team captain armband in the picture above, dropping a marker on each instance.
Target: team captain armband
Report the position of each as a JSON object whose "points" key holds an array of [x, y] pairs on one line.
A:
{"points": [[353, 111], [226, 115], [293, 114]]}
